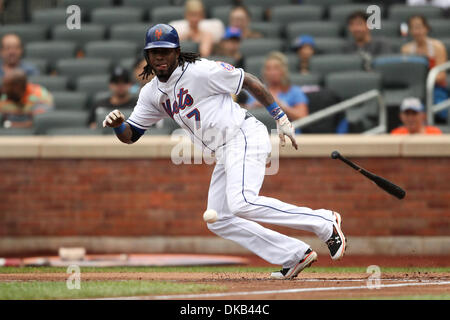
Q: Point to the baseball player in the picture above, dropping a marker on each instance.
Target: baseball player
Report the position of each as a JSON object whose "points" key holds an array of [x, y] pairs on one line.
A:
{"points": [[196, 93]]}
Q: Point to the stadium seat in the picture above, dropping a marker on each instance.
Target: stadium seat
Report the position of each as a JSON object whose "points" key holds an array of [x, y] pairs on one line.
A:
{"points": [[305, 79], [446, 42], [223, 12], [16, 131], [74, 68], [114, 50], [402, 76], [262, 115], [166, 14], [74, 131], [41, 64], [58, 119], [89, 32], [26, 32], [49, 17], [388, 29], [116, 15], [97, 97], [87, 6], [70, 100], [293, 13], [396, 43], [50, 50], [329, 45], [51, 83], [127, 63], [325, 3], [327, 63], [92, 84], [440, 28], [130, 32], [328, 29], [349, 84], [340, 12], [189, 46], [268, 29], [267, 3], [222, 58], [258, 47], [319, 99], [145, 4], [400, 12]]}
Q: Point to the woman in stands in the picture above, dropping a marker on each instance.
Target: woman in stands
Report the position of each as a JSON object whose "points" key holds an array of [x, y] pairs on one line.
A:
{"points": [[196, 28], [276, 77], [433, 49]]}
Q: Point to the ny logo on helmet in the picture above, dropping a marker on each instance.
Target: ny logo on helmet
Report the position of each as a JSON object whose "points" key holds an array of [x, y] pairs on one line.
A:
{"points": [[158, 33]]}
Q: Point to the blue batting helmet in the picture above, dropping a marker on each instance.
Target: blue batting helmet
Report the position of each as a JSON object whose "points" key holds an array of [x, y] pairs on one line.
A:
{"points": [[162, 36]]}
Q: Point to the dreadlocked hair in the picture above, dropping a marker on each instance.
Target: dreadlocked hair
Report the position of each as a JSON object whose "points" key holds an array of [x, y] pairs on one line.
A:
{"points": [[189, 57]]}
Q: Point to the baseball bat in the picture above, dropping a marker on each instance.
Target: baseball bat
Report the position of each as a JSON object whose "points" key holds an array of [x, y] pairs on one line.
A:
{"points": [[384, 184]]}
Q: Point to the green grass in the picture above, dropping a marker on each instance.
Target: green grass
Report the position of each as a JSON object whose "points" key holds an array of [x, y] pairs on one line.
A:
{"points": [[30, 290], [218, 269], [411, 297]]}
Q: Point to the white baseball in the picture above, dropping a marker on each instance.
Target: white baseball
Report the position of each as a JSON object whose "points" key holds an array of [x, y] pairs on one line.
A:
{"points": [[210, 216]]}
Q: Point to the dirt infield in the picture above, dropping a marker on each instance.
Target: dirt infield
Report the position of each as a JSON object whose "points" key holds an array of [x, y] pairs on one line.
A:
{"points": [[257, 285]]}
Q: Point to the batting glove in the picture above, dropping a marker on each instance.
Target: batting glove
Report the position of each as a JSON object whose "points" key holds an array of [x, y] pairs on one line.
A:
{"points": [[284, 127]]}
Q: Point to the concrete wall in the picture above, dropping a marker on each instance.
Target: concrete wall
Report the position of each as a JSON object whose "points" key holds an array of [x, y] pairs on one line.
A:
{"points": [[83, 190]]}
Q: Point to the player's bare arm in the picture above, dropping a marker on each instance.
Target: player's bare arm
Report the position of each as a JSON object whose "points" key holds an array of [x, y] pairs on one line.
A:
{"points": [[116, 120], [260, 92]]}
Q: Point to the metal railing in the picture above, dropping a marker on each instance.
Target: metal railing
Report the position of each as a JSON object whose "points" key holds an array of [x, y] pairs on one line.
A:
{"points": [[348, 104], [431, 79]]}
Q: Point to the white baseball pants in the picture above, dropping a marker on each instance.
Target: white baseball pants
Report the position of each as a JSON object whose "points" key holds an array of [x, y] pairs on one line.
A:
{"points": [[234, 194]]}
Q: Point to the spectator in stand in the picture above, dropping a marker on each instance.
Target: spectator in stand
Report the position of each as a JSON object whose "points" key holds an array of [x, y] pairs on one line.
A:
{"points": [[434, 50], [120, 98], [11, 51], [305, 49], [289, 97], [139, 81], [362, 41], [21, 100], [196, 28], [240, 18], [230, 46], [412, 116]]}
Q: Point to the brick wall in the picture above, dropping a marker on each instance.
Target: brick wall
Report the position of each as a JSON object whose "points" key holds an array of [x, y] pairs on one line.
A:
{"points": [[140, 197]]}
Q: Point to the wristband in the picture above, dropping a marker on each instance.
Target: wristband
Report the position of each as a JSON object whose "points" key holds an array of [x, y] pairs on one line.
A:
{"points": [[275, 111], [120, 128]]}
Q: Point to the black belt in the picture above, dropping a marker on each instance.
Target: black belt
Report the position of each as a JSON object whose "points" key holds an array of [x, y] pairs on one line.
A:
{"points": [[248, 115]]}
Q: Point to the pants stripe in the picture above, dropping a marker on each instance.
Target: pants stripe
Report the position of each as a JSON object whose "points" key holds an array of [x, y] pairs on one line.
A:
{"points": [[262, 205]]}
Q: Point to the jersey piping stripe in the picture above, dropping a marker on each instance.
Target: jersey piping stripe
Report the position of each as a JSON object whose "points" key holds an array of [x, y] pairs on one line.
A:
{"points": [[179, 115], [263, 205], [137, 124], [239, 84]]}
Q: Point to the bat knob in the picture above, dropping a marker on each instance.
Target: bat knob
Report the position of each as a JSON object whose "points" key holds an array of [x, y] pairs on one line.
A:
{"points": [[335, 155]]}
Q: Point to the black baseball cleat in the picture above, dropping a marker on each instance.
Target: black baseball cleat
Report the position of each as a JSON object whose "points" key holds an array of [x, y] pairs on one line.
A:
{"points": [[337, 242], [290, 273]]}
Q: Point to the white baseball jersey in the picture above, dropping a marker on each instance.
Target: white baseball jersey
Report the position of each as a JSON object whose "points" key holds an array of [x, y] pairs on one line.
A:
{"points": [[198, 98]]}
